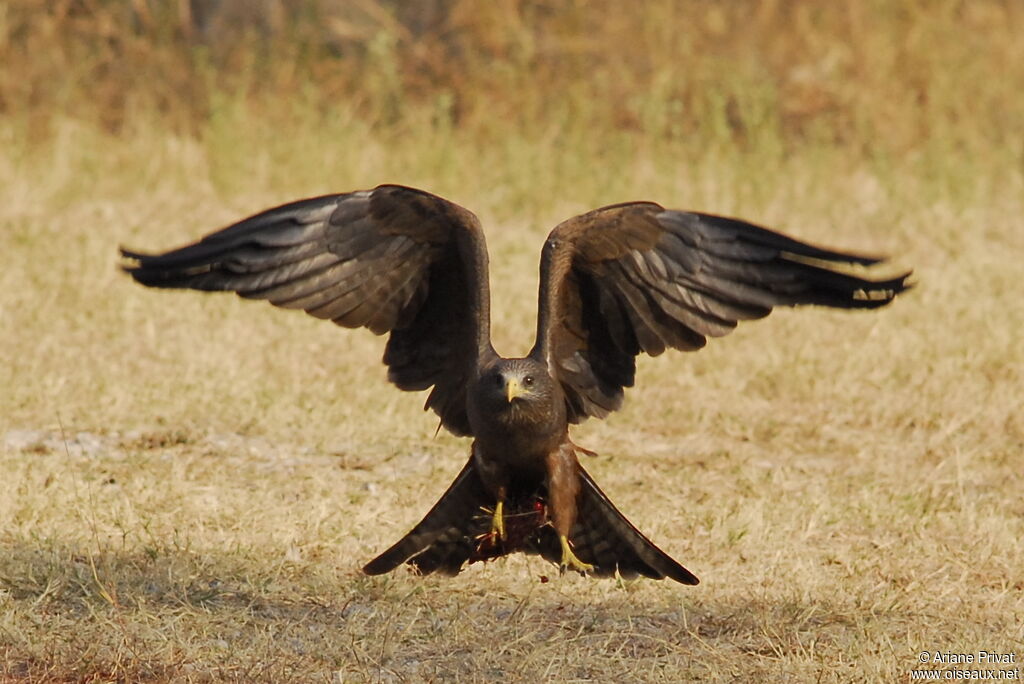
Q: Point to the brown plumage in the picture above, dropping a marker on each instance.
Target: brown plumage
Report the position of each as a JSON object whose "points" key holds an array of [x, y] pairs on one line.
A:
{"points": [[615, 282]]}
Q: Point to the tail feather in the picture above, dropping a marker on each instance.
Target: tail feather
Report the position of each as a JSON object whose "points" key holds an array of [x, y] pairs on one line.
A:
{"points": [[604, 538], [445, 538]]}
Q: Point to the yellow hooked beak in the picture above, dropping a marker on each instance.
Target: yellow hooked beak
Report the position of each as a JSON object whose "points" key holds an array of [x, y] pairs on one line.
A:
{"points": [[513, 389]]}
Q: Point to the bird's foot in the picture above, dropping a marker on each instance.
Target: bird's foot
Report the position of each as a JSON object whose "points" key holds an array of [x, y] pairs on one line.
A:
{"points": [[498, 521], [570, 561]]}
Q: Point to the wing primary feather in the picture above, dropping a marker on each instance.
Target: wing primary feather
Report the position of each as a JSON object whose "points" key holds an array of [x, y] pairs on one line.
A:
{"points": [[719, 234]]}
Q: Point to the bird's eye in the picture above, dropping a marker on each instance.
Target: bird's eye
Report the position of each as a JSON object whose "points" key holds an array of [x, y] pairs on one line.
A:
{"points": [[499, 381], [528, 380]]}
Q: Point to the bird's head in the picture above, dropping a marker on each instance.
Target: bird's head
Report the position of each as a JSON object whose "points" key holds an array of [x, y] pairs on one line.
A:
{"points": [[518, 385]]}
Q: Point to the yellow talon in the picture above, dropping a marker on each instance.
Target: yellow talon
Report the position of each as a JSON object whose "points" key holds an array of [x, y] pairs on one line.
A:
{"points": [[569, 559], [498, 521]]}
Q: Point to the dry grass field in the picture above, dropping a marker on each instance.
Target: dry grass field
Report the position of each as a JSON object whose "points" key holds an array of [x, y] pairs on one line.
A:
{"points": [[190, 483]]}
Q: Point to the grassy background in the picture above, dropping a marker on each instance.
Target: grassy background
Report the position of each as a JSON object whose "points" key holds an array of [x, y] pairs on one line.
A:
{"points": [[189, 484]]}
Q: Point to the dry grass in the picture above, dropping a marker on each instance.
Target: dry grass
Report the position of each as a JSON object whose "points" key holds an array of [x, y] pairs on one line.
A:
{"points": [[189, 484]]}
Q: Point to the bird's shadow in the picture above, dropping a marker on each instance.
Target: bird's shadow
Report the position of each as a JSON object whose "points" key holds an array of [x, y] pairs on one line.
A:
{"points": [[80, 580], [176, 612]]}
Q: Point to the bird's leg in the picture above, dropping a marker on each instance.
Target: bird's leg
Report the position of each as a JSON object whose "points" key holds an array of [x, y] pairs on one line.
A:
{"points": [[496, 479], [498, 521], [569, 559], [563, 488]]}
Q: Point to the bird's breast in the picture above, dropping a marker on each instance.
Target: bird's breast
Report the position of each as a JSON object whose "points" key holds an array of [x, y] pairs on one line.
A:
{"points": [[513, 445]]}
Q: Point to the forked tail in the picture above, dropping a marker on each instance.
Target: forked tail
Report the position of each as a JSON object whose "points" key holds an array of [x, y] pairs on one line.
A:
{"points": [[457, 530]]}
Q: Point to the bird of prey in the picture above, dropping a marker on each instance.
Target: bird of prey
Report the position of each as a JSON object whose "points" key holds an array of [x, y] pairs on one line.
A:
{"points": [[614, 282]]}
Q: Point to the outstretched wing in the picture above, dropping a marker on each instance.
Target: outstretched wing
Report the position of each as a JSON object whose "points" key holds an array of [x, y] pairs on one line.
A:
{"points": [[391, 259], [637, 277]]}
